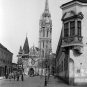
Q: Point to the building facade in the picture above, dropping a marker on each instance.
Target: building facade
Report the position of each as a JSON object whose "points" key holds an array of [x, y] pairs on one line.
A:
{"points": [[28, 58], [71, 52], [5, 60]]}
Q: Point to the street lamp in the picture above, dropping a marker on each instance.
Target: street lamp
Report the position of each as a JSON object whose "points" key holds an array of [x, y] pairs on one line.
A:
{"points": [[46, 65], [80, 68]]}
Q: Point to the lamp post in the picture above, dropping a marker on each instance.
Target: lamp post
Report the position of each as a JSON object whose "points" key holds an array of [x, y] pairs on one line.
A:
{"points": [[80, 68], [46, 65]]}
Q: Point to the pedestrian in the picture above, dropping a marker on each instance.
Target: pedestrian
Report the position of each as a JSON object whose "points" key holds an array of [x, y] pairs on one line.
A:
{"points": [[6, 76], [45, 83], [17, 76], [22, 77], [14, 76]]}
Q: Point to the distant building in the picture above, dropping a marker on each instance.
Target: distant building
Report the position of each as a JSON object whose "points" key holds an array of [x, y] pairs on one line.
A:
{"points": [[14, 67], [5, 60], [71, 61], [34, 58], [28, 58], [45, 33], [23, 56]]}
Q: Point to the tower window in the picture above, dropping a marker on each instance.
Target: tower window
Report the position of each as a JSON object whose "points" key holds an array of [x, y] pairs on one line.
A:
{"points": [[47, 33], [43, 44], [72, 28], [79, 27], [42, 53], [66, 29], [43, 33]]}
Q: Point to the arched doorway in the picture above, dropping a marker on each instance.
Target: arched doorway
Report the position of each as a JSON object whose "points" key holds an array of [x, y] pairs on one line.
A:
{"points": [[31, 72]]}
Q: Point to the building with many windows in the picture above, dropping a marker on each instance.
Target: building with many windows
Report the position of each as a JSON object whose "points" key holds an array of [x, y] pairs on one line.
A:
{"points": [[5, 60], [71, 61]]}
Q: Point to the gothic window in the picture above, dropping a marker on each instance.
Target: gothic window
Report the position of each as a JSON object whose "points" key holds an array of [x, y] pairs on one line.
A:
{"points": [[79, 27], [66, 29], [43, 44], [42, 53], [72, 28], [47, 33], [43, 33]]}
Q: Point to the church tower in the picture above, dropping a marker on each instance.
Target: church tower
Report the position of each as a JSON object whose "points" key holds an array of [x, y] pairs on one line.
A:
{"points": [[45, 32]]}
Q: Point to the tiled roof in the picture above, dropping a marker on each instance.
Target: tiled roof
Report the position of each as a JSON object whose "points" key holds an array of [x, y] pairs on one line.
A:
{"points": [[1, 46]]}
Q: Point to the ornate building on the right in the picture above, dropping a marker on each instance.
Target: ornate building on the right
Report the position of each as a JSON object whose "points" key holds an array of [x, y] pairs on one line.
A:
{"points": [[71, 53]]}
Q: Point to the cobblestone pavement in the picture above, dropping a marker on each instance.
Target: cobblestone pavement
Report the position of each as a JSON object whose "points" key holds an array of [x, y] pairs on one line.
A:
{"points": [[36, 81]]}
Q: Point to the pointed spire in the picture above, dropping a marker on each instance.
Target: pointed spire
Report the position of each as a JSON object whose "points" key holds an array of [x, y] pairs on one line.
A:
{"points": [[20, 50], [26, 46], [46, 6]]}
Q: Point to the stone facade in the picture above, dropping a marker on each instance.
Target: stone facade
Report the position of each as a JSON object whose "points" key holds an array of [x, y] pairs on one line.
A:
{"points": [[72, 48], [5, 60]]}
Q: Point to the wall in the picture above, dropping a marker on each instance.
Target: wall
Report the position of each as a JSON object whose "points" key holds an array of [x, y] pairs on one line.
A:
{"points": [[80, 65]]}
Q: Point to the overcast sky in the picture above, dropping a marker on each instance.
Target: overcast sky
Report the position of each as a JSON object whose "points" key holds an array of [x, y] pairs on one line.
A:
{"points": [[18, 17]]}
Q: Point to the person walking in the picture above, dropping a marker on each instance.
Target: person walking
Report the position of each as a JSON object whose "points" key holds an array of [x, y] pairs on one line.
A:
{"points": [[14, 75], [17, 76], [22, 77]]}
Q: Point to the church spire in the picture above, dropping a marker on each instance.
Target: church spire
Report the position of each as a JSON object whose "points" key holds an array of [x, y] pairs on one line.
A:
{"points": [[20, 50], [46, 10], [26, 46], [46, 6]]}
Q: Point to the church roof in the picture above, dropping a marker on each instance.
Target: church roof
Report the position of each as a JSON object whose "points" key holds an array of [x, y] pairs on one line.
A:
{"points": [[26, 46], [4, 48], [82, 1]]}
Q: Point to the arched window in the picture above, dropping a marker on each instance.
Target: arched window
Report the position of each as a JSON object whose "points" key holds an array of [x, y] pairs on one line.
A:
{"points": [[43, 33], [43, 53], [47, 33], [43, 44]]}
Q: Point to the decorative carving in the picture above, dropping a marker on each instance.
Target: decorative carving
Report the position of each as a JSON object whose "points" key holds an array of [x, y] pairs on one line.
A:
{"points": [[81, 15], [68, 39]]}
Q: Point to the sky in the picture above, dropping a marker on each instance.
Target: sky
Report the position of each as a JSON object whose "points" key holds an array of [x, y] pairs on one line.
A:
{"points": [[21, 17]]}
